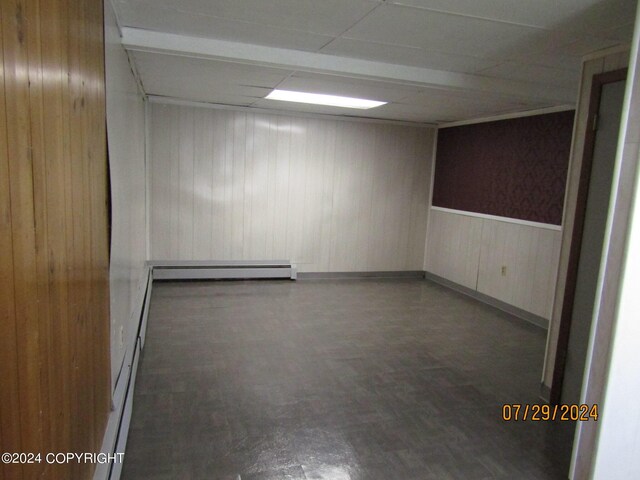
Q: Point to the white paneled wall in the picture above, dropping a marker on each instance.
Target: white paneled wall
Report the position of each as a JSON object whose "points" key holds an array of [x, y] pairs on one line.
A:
{"points": [[126, 137], [530, 255], [453, 247], [329, 195], [472, 252]]}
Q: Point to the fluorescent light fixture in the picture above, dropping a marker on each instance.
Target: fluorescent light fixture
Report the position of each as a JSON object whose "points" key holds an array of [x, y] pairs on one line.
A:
{"points": [[320, 99]]}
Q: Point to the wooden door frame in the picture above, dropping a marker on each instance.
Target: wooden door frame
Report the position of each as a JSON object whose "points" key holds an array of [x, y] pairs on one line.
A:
{"points": [[564, 329]]}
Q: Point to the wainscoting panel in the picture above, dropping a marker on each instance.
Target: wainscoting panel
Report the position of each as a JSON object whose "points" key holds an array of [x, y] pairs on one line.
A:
{"points": [[472, 251], [529, 256], [328, 195], [453, 247]]}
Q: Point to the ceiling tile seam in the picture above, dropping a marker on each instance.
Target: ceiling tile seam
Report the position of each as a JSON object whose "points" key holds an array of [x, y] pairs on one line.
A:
{"points": [[508, 58], [596, 34], [351, 26], [133, 67], [388, 44], [477, 17], [418, 49]]}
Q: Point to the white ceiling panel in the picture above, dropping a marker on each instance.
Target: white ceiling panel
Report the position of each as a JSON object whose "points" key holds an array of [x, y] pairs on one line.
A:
{"points": [[621, 32], [193, 78], [405, 55], [542, 74], [435, 109], [218, 98], [274, 22], [457, 104], [584, 45], [439, 32], [576, 15], [472, 50], [554, 60], [167, 20]]}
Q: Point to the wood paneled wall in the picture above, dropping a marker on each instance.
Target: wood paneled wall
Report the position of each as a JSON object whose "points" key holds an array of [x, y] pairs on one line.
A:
{"points": [[471, 251], [54, 318], [329, 195]]}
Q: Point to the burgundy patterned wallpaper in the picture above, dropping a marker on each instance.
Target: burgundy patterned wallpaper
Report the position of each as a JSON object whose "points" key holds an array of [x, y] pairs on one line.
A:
{"points": [[511, 168]]}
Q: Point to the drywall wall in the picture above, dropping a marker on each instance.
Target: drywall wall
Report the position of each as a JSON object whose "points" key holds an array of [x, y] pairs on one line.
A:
{"points": [[327, 194], [472, 251], [126, 143]]}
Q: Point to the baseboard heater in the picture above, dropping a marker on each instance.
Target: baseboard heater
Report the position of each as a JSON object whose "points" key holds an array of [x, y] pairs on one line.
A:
{"points": [[222, 270]]}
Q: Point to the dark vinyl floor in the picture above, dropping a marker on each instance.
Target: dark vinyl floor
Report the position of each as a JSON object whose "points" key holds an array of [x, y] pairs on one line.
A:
{"points": [[335, 380]]}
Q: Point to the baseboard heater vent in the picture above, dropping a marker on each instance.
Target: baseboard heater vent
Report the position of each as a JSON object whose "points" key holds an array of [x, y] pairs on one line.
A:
{"points": [[222, 270]]}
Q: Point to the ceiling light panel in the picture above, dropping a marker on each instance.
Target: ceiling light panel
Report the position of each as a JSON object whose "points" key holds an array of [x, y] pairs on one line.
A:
{"points": [[321, 99]]}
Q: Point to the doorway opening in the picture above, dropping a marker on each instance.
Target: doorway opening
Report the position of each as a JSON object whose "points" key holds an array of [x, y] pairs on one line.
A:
{"points": [[594, 191]]}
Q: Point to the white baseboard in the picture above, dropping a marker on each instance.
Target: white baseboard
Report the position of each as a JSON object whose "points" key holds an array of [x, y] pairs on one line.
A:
{"points": [[222, 270]]}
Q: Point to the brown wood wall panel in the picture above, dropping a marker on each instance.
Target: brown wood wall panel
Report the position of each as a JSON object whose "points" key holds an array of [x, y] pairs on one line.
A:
{"points": [[54, 313], [9, 399]]}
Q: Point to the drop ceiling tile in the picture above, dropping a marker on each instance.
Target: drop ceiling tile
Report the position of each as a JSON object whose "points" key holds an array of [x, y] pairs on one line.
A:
{"points": [[440, 32], [169, 69], [605, 15], [216, 98], [390, 34], [405, 55], [453, 106], [556, 43], [565, 62], [205, 80], [455, 103], [534, 73], [400, 116], [172, 21], [576, 15], [624, 33], [326, 17], [427, 113], [585, 45]]}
